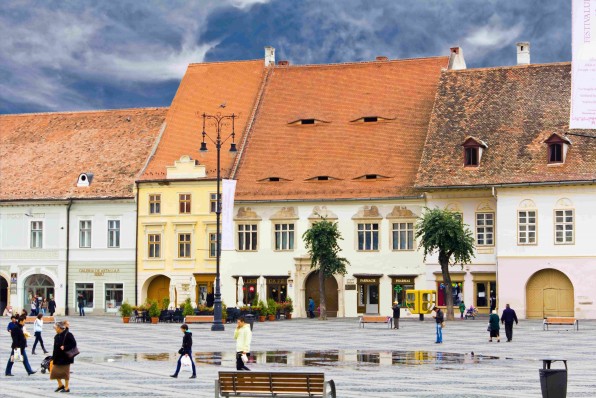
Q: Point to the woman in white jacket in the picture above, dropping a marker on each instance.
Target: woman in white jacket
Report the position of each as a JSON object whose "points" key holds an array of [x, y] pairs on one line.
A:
{"points": [[37, 329]]}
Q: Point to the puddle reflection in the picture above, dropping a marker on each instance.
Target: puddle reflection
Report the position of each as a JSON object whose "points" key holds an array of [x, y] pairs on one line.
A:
{"points": [[325, 358]]}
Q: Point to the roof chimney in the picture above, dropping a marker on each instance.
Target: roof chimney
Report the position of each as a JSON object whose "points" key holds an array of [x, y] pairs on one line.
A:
{"points": [[456, 59], [269, 56], [523, 53], [283, 63]]}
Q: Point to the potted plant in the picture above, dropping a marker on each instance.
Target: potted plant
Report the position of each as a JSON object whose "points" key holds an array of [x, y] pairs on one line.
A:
{"points": [[289, 308], [188, 310], [165, 303], [262, 311], [125, 311], [271, 309], [154, 311]]}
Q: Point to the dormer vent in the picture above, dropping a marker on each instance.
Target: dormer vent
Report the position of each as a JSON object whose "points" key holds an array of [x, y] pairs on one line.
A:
{"points": [[307, 121], [371, 176], [370, 119], [557, 148], [322, 178], [273, 179], [473, 149], [84, 179]]}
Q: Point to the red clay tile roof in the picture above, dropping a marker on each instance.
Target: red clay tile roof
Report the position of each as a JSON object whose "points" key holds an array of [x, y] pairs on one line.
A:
{"points": [[340, 145], [43, 154], [513, 110], [204, 88]]}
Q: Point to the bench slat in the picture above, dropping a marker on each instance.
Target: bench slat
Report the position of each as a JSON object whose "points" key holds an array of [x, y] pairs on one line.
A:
{"points": [[272, 383]]}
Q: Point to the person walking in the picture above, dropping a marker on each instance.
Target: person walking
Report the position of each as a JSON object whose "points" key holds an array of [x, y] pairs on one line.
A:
{"points": [[81, 303], [44, 306], [52, 306], [508, 317], [243, 337], [493, 326], [311, 308], [19, 342], [37, 329], [439, 324], [396, 314], [186, 351], [63, 341], [462, 309]]}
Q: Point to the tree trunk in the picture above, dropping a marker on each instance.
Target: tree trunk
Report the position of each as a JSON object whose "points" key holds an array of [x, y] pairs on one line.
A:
{"points": [[444, 261], [323, 301]]}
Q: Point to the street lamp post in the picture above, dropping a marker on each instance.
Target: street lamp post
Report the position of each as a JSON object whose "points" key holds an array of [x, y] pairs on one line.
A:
{"points": [[219, 121]]}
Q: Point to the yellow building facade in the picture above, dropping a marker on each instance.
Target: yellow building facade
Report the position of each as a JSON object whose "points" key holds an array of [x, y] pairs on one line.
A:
{"points": [[176, 235]]}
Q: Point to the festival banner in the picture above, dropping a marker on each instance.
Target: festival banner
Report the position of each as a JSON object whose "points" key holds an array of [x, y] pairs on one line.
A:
{"points": [[583, 65], [227, 214]]}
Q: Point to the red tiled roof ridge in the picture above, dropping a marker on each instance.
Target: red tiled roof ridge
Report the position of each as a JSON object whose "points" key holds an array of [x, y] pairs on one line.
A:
{"points": [[360, 63], [196, 64], [489, 68], [151, 108]]}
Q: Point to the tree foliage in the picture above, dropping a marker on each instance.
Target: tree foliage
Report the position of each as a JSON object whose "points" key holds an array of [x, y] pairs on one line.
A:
{"points": [[321, 242], [443, 231]]}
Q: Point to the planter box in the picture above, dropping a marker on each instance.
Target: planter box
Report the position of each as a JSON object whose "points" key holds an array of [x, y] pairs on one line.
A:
{"points": [[126, 319]]}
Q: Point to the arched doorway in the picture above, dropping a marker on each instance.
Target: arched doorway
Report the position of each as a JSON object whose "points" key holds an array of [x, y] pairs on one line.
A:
{"points": [[331, 293], [549, 293], [3, 294], [159, 288], [39, 285]]}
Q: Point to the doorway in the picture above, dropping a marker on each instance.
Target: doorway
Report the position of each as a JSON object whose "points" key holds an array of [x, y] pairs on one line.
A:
{"points": [[38, 285], [368, 295], [549, 293], [159, 288], [331, 293], [3, 294]]}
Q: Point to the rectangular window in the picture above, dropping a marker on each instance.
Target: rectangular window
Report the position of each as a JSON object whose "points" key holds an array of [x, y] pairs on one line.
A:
{"points": [[36, 234], [564, 227], [85, 233], [154, 245], [471, 156], [284, 236], [113, 233], [403, 236], [526, 224], [485, 223], [368, 236], [556, 153], [247, 237], [184, 203], [84, 291], [213, 202], [184, 245], [114, 295], [213, 245], [154, 204]]}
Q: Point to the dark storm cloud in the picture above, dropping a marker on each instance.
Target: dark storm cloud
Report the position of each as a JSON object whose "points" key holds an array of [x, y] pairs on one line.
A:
{"points": [[70, 55]]}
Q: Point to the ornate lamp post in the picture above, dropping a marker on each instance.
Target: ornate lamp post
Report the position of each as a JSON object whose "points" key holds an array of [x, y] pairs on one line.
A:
{"points": [[218, 121]]}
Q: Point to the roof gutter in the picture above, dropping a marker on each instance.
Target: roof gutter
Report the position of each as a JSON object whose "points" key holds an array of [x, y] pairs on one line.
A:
{"points": [[511, 185], [421, 196]]}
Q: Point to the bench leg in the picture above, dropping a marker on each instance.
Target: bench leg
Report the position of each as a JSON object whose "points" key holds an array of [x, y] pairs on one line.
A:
{"points": [[329, 390], [216, 388]]}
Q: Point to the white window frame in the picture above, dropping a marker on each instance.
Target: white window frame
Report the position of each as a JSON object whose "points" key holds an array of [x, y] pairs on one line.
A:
{"points": [[396, 231], [105, 290], [114, 233], [481, 229], [189, 243], [368, 231], [564, 224], [289, 232], [181, 201], [85, 241], [149, 246], [212, 242], [252, 242], [525, 228], [213, 202], [76, 304], [36, 235]]}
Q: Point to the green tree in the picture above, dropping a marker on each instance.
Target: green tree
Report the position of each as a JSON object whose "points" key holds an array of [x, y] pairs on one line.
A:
{"points": [[444, 232], [321, 242]]}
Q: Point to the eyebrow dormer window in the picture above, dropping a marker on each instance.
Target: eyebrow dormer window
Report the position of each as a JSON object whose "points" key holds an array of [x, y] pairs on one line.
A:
{"points": [[370, 119], [473, 149], [273, 179], [557, 148], [322, 178], [307, 121]]}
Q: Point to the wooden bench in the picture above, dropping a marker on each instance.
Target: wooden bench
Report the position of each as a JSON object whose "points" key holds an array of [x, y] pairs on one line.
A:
{"points": [[560, 321], [46, 319], [272, 384], [376, 319], [198, 319]]}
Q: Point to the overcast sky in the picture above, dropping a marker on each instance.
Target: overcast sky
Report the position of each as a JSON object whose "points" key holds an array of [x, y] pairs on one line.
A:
{"points": [[87, 54]]}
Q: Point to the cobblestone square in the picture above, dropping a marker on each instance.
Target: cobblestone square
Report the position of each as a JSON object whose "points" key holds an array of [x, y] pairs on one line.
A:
{"points": [[135, 360]]}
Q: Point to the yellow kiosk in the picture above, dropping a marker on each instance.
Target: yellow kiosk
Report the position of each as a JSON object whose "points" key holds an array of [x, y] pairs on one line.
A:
{"points": [[420, 301]]}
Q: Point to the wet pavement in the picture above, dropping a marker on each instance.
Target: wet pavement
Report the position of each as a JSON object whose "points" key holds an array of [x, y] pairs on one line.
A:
{"points": [[136, 360]]}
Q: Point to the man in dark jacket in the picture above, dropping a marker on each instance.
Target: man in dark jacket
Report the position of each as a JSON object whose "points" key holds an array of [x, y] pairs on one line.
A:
{"points": [[439, 321], [186, 350], [19, 342], [396, 314], [81, 303], [507, 318], [52, 306]]}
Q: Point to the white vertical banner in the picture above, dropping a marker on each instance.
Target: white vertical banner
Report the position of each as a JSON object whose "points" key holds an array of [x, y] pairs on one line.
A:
{"points": [[227, 214], [583, 65]]}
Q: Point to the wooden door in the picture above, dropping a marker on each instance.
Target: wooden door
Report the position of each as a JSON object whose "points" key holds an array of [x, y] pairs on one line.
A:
{"points": [[331, 293]]}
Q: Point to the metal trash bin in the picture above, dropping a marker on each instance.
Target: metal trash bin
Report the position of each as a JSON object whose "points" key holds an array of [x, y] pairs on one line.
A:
{"points": [[250, 319], [553, 382]]}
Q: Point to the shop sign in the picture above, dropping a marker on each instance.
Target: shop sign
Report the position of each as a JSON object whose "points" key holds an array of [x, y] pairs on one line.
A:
{"points": [[350, 287], [278, 281], [250, 281], [13, 283], [99, 271], [368, 280], [407, 281]]}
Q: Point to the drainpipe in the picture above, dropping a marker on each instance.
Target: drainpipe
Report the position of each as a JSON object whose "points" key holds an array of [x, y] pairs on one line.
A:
{"points": [[67, 254], [495, 226], [137, 247]]}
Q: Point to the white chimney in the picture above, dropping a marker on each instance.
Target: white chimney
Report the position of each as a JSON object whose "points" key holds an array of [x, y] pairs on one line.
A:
{"points": [[269, 56], [523, 53], [456, 59]]}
